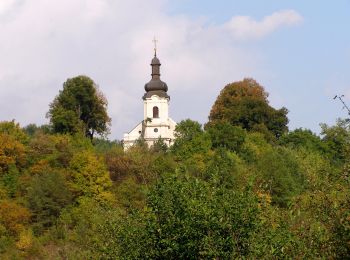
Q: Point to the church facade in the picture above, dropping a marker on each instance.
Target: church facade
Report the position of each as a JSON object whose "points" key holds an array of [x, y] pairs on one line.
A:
{"points": [[156, 122]]}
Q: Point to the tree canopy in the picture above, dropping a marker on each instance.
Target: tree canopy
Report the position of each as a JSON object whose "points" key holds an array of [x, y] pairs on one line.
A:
{"points": [[226, 191], [79, 108], [244, 103]]}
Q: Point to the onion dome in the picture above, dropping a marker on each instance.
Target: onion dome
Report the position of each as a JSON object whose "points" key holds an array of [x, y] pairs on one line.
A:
{"points": [[155, 86], [155, 61]]}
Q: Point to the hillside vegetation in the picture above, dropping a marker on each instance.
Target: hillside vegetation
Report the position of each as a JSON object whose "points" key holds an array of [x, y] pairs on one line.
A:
{"points": [[241, 187]]}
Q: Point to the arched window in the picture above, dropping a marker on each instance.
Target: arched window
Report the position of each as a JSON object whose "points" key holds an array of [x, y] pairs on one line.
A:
{"points": [[155, 112]]}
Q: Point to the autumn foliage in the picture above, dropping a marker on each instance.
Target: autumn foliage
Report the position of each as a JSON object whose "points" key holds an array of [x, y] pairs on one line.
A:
{"points": [[243, 187], [244, 103]]}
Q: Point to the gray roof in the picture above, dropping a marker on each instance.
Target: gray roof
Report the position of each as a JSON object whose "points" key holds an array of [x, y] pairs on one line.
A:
{"points": [[155, 61], [155, 86]]}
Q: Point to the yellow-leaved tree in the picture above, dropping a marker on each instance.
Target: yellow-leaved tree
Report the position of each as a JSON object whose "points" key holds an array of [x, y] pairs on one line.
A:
{"points": [[88, 176], [12, 149]]}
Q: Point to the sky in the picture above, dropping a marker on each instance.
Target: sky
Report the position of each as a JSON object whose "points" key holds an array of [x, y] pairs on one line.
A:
{"points": [[298, 50]]}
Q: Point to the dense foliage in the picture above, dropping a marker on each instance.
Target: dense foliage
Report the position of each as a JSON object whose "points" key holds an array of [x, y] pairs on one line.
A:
{"points": [[220, 193], [209, 196]]}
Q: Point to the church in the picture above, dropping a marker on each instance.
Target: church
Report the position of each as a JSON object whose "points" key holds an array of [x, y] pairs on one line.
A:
{"points": [[156, 122]]}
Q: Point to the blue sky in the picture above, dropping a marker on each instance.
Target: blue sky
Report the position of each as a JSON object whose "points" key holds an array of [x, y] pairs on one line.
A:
{"points": [[309, 63], [298, 50]]}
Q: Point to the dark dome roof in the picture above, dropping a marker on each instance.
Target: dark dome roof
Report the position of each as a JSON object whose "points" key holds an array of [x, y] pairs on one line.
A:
{"points": [[155, 61], [156, 84]]}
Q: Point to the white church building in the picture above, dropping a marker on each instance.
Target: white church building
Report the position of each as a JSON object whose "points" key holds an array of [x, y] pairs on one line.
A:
{"points": [[156, 122]]}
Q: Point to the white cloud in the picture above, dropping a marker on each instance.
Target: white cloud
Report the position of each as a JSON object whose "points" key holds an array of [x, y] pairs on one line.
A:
{"points": [[245, 27], [6, 5], [45, 42]]}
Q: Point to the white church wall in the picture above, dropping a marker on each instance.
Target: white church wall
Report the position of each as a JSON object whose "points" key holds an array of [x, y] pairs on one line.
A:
{"points": [[165, 130], [161, 103], [130, 138]]}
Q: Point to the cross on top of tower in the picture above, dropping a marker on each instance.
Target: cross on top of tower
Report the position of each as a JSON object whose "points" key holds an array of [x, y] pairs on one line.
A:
{"points": [[155, 45]]}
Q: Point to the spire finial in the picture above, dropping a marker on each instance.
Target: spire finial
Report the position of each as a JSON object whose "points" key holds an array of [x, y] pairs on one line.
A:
{"points": [[155, 46]]}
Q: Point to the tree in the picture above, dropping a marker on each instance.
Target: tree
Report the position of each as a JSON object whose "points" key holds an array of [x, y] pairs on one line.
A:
{"points": [[33, 129], [278, 172], [159, 146], [226, 136], [12, 146], [47, 195], [12, 152], [13, 216], [337, 138], [79, 108], [244, 103], [89, 177], [190, 139], [188, 218], [303, 138], [13, 129]]}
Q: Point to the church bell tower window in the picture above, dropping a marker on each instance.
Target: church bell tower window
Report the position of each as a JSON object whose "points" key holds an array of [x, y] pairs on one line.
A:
{"points": [[155, 112]]}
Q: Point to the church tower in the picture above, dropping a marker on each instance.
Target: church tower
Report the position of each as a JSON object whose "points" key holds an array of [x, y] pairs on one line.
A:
{"points": [[156, 121]]}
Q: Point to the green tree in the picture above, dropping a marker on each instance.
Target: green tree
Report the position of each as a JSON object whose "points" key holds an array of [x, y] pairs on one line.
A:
{"points": [[226, 136], [188, 218], [337, 138], [159, 146], [223, 168], [190, 139], [12, 147], [303, 138], [47, 195], [33, 129], [80, 107], [244, 103], [82, 227], [280, 175]]}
